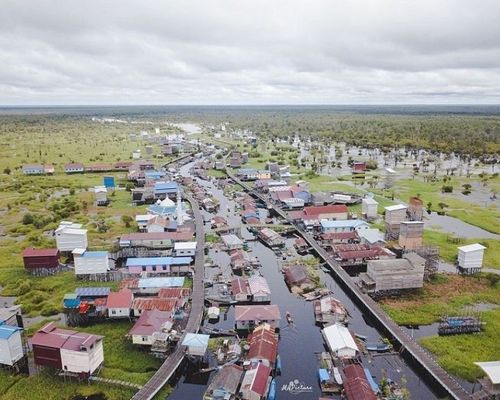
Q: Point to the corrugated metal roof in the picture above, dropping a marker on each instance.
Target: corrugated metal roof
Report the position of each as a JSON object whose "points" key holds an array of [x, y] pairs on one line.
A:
{"points": [[120, 299], [6, 331], [154, 303], [92, 291], [144, 261], [32, 252], [257, 312]]}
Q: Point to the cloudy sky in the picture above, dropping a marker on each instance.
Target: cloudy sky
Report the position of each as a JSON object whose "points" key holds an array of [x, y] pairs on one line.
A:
{"points": [[249, 52]]}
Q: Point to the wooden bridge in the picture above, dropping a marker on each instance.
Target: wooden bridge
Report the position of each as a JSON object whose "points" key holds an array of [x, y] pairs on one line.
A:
{"points": [[435, 372], [164, 373]]}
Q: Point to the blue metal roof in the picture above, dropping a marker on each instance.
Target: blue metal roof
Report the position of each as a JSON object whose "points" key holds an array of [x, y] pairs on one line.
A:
{"points": [[140, 261], [323, 375], [166, 187], [92, 291], [6, 331], [154, 174], [371, 381], [95, 254], [174, 281], [350, 223]]}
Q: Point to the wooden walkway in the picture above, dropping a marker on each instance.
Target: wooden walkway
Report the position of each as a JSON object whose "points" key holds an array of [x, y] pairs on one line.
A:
{"points": [[115, 382], [164, 373], [422, 357]]}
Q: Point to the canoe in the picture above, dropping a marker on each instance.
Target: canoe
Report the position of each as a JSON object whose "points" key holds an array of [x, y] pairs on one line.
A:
{"points": [[271, 395]]}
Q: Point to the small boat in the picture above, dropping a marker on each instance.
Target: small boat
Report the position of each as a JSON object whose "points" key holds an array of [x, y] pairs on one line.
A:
{"points": [[378, 347], [337, 376], [289, 318], [278, 365], [371, 381], [361, 337], [271, 395]]}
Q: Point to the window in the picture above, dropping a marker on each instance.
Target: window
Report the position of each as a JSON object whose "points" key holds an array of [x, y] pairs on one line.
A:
{"points": [[144, 338], [144, 269], [164, 268], [154, 267], [113, 312]]}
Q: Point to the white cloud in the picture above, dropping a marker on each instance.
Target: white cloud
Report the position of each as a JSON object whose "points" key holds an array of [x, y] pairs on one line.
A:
{"points": [[247, 52]]}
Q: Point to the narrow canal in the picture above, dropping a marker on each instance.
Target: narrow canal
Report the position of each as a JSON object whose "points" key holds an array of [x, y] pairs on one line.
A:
{"points": [[300, 341]]}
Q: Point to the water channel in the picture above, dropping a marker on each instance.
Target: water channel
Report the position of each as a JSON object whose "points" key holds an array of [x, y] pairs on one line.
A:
{"points": [[300, 341]]}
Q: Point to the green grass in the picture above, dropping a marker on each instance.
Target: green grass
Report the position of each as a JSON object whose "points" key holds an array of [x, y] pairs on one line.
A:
{"points": [[445, 295], [458, 353], [448, 247], [122, 360], [216, 173], [487, 218]]}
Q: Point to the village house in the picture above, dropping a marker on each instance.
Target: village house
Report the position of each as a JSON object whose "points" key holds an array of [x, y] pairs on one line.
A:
{"points": [[218, 222], [35, 259], [67, 350], [263, 343], [157, 265], [70, 236], [296, 275], [259, 289], [411, 234], [225, 384], [101, 195], [142, 304], [163, 190], [470, 258], [271, 238], [369, 208], [343, 226], [416, 209], [99, 167], [329, 310], [328, 240], [152, 286], [340, 341], [159, 224], [209, 204], [395, 274], [255, 382], [196, 344], [247, 174], [90, 262], [142, 221], [394, 215], [11, 316], [119, 303], [33, 169], [239, 260], [164, 208], [232, 242], [356, 385], [11, 345], [74, 168], [162, 240], [247, 317], [240, 290], [357, 254], [313, 215], [371, 237], [150, 322], [358, 167], [185, 249]]}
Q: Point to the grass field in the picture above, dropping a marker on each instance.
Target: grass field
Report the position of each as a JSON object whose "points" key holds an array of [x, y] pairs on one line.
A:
{"points": [[451, 295]]}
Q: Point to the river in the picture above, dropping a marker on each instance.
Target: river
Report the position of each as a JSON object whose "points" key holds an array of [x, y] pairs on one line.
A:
{"points": [[298, 342]]}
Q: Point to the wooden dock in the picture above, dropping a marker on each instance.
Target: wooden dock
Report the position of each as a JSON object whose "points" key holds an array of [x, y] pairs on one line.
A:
{"points": [[167, 369], [438, 375]]}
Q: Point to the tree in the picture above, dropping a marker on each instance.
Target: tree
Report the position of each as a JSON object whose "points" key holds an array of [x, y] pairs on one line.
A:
{"points": [[126, 219], [27, 219], [7, 171]]}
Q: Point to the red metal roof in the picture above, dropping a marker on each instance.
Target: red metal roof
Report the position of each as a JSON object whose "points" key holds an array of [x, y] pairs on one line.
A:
{"points": [[154, 303], [257, 313], [259, 384], [238, 286], [174, 293], [314, 211], [340, 235], [31, 252], [150, 321], [263, 344], [51, 336], [296, 274], [356, 385], [120, 299]]}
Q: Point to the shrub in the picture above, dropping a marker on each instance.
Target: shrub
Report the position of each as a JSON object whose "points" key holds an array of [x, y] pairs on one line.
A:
{"points": [[27, 219], [447, 189]]}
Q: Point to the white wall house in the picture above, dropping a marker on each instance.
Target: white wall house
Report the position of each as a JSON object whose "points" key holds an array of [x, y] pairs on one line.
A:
{"points": [[82, 356], [90, 262], [369, 207], [340, 341], [259, 289], [196, 344], [11, 347], [70, 236], [185, 249], [470, 257], [101, 195]]}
